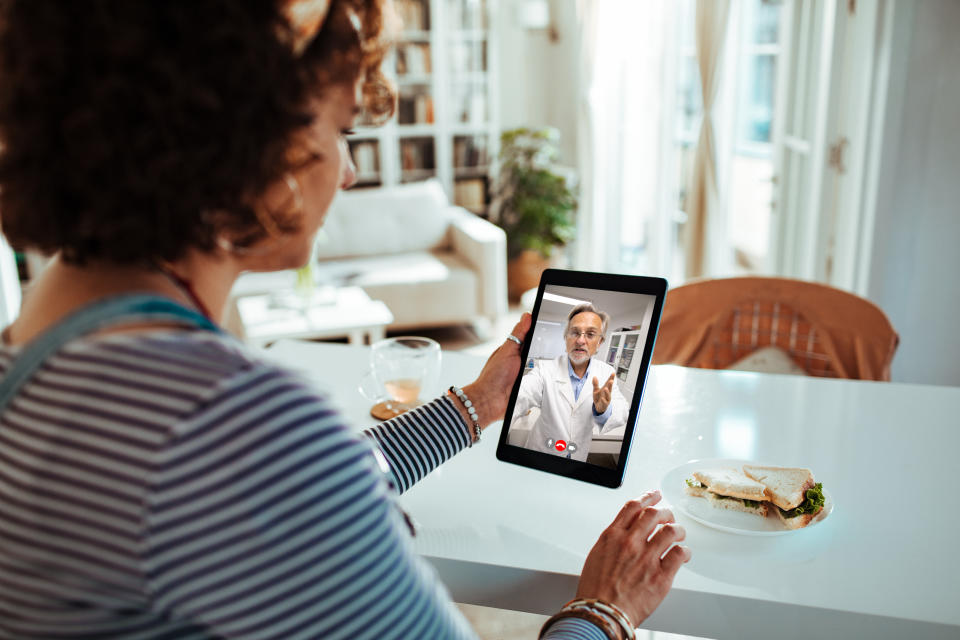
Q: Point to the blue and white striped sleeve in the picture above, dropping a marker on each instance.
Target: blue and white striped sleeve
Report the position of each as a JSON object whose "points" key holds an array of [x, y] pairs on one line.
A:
{"points": [[419, 441], [268, 518], [574, 629]]}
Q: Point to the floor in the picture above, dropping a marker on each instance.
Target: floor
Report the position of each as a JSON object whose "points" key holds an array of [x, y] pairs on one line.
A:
{"points": [[465, 338], [489, 623]]}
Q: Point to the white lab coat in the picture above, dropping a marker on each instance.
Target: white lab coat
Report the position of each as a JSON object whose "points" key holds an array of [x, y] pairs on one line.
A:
{"points": [[548, 388]]}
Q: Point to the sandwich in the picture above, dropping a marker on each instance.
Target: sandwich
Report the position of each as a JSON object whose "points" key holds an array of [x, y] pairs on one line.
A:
{"points": [[729, 489], [797, 499], [789, 492]]}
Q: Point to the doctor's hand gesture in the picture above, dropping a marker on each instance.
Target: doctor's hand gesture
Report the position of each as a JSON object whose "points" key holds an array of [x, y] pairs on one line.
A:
{"points": [[601, 395]]}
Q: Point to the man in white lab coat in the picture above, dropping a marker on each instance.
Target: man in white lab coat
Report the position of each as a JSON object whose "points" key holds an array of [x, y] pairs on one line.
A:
{"points": [[574, 391]]}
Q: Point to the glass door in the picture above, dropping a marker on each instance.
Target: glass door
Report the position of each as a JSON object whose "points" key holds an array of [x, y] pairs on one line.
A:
{"points": [[612, 350], [626, 357]]}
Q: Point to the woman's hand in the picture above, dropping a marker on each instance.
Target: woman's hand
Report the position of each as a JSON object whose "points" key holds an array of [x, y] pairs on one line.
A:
{"points": [[633, 563], [491, 390]]}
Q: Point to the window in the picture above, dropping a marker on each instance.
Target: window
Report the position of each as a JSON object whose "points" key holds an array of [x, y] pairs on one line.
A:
{"points": [[752, 165], [647, 111], [749, 86]]}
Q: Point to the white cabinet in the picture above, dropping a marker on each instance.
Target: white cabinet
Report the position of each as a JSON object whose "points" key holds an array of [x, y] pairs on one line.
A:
{"points": [[624, 353], [446, 124]]}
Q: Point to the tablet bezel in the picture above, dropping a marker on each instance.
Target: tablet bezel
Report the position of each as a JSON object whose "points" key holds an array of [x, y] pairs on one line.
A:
{"points": [[604, 476]]}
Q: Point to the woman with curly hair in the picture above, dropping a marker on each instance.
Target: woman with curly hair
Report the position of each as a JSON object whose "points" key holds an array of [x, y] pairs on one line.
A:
{"points": [[157, 479]]}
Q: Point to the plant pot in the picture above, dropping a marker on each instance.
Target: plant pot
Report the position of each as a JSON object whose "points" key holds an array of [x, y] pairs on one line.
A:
{"points": [[524, 271]]}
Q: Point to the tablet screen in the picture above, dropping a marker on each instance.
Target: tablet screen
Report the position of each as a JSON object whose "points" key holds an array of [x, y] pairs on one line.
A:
{"points": [[573, 408]]}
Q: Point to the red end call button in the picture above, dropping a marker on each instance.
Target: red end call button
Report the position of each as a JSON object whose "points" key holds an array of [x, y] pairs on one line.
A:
{"points": [[561, 445]]}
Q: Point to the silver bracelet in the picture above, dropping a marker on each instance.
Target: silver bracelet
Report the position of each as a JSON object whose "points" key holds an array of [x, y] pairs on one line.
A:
{"points": [[471, 411]]}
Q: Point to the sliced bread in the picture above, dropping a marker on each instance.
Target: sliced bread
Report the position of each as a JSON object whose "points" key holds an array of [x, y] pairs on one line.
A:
{"points": [[734, 504], [731, 482], [720, 502], [696, 491], [785, 486]]}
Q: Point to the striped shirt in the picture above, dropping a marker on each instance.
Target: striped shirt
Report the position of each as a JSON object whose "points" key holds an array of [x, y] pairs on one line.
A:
{"points": [[172, 485]]}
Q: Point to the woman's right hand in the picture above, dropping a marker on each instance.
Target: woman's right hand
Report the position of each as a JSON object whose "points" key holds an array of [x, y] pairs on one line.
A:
{"points": [[630, 565], [491, 390]]}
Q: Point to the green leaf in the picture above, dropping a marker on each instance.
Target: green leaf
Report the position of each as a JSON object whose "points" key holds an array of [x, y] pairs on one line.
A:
{"points": [[533, 202], [812, 503]]}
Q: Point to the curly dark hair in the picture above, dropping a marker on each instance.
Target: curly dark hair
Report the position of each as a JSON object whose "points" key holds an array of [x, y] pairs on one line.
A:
{"points": [[132, 131]]}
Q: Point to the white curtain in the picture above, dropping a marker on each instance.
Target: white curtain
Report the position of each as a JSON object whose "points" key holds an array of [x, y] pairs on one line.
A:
{"points": [[589, 248], [704, 201], [624, 135]]}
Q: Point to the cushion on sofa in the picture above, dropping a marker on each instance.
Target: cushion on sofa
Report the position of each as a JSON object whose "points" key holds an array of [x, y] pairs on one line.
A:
{"points": [[407, 217]]}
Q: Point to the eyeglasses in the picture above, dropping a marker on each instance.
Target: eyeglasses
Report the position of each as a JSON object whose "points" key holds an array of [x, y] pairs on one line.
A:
{"points": [[576, 333]]}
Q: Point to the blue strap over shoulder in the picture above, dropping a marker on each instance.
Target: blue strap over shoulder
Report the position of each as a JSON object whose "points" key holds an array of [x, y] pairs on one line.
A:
{"points": [[122, 309]]}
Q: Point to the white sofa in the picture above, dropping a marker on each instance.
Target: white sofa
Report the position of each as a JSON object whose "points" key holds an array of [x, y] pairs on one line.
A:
{"points": [[432, 263]]}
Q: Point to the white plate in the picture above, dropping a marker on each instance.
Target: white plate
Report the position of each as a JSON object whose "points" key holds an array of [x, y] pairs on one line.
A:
{"points": [[673, 485]]}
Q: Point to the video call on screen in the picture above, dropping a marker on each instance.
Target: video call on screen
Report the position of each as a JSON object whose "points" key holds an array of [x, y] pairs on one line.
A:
{"points": [[551, 414]]}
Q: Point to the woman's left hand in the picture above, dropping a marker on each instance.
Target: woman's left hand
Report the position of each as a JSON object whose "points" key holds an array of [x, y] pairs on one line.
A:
{"points": [[491, 390]]}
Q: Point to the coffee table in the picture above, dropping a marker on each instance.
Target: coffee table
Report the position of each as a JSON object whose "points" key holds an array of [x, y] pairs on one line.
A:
{"points": [[339, 312]]}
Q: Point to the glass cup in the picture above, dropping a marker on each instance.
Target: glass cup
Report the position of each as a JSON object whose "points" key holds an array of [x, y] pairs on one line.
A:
{"points": [[402, 370]]}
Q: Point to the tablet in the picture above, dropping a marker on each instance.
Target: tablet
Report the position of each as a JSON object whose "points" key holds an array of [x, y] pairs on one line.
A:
{"points": [[574, 407]]}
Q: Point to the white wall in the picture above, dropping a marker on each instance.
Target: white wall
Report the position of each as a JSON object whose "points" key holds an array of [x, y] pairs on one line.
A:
{"points": [[915, 267], [538, 76], [547, 340]]}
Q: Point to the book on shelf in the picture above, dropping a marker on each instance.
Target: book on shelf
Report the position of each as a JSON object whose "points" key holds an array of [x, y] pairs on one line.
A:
{"points": [[478, 108], [415, 109], [470, 194], [417, 154], [469, 152], [409, 157], [467, 16], [413, 14], [472, 105], [423, 109], [365, 157], [468, 56], [413, 59]]}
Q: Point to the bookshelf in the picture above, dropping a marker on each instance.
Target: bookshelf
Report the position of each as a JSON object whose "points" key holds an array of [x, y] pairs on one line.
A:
{"points": [[446, 125]]}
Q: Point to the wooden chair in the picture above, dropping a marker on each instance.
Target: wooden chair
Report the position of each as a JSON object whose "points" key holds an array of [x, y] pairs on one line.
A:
{"points": [[824, 331]]}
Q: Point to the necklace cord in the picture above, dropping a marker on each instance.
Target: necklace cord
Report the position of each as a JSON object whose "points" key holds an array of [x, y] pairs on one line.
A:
{"points": [[186, 288]]}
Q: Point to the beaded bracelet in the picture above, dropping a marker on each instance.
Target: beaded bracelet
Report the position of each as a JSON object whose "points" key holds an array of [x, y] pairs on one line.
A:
{"points": [[606, 625], [471, 411], [609, 609]]}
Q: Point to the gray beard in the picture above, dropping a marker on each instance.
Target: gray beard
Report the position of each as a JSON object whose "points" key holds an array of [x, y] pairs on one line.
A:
{"points": [[577, 359]]}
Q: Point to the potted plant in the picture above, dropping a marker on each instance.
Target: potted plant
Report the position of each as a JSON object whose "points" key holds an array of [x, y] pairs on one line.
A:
{"points": [[533, 202]]}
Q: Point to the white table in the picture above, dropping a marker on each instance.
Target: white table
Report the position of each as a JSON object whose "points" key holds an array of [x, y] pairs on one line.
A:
{"points": [[344, 312], [885, 564]]}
